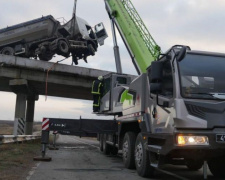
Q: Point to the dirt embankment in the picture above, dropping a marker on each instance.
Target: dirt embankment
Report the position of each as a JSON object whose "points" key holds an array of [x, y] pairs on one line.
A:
{"points": [[16, 160], [6, 127]]}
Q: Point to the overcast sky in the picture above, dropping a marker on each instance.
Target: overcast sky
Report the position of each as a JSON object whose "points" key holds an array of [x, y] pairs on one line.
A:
{"points": [[196, 23]]}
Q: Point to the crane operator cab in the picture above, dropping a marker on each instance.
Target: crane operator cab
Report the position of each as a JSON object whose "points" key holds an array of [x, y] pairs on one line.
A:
{"points": [[114, 86]]}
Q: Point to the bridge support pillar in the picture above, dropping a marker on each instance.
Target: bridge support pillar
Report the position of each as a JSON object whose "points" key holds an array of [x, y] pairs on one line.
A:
{"points": [[19, 114], [25, 103], [30, 114]]}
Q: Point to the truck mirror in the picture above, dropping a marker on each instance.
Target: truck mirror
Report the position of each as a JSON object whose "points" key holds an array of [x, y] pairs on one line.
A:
{"points": [[101, 33], [165, 104], [168, 57], [156, 71], [155, 88], [182, 53]]}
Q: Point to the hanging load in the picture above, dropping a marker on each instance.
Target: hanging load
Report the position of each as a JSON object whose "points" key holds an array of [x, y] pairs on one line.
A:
{"points": [[44, 37]]}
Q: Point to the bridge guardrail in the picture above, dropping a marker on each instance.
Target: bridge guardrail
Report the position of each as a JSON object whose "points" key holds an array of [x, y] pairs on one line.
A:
{"points": [[6, 139]]}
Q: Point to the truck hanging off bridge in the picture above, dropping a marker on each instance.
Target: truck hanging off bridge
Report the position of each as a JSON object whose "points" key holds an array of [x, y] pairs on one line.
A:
{"points": [[172, 113], [44, 37]]}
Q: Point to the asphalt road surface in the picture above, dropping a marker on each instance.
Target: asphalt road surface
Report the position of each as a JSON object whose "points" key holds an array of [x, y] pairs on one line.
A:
{"points": [[81, 159]]}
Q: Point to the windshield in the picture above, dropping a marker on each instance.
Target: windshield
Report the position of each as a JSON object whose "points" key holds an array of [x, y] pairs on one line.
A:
{"points": [[202, 77]]}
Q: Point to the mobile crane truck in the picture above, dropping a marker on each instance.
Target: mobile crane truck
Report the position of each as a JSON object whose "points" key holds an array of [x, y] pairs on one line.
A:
{"points": [[173, 111]]}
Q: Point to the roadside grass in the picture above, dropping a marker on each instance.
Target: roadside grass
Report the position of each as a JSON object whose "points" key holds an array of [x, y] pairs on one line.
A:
{"points": [[6, 129], [16, 160]]}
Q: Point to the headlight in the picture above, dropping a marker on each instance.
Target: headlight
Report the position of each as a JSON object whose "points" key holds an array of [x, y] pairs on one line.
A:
{"points": [[192, 140]]}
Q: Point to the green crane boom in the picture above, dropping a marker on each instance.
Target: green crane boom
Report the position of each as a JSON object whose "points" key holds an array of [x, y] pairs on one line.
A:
{"points": [[139, 42]]}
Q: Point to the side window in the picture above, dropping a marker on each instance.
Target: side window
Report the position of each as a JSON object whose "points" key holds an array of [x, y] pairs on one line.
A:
{"points": [[100, 30], [107, 85], [121, 80], [167, 80]]}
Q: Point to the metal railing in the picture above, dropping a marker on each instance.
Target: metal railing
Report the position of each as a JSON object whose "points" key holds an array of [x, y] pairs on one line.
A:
{"points": [[6, 139]]}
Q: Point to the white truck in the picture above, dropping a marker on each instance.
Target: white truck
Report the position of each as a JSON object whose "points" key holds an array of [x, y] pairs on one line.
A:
{"points": [[44, 37]]}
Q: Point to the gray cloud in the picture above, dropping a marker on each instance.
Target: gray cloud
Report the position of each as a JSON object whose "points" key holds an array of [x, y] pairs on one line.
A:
{"points": [[197, 23]]}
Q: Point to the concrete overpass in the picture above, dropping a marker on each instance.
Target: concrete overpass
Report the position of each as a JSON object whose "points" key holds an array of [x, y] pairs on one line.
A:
{"points": [[27, 78], [63, 80]]}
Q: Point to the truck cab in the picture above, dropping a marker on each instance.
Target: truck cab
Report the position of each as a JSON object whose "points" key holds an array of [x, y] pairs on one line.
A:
{"points": [[186, 107], [191, 86], [83, 39]]}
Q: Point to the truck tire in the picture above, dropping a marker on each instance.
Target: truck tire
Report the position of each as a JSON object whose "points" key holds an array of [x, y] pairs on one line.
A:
{"points": [[193, 165], [114, 150], [216, 166], [91, 49], [106, 147], [142, 161], [101, 142], [63, 47], [128, 150], [45, 57], [8, 51]]}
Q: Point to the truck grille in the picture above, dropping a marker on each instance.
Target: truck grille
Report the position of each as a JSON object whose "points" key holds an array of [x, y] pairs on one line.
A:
{"points": [[196, 111]]}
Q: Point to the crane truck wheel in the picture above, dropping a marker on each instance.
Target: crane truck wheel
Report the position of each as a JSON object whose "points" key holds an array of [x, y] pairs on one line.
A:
{"points": [[128, 150], [106, 147], [194, 165], [8, 51], [216, 166], [142, 161]]}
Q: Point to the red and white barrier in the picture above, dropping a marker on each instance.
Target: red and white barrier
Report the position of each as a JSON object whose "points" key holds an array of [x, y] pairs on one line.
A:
{"points": [[45, 124]]}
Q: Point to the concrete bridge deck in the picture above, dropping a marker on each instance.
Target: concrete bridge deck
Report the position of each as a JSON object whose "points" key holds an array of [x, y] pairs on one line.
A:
{"points": [[63, 80]]}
